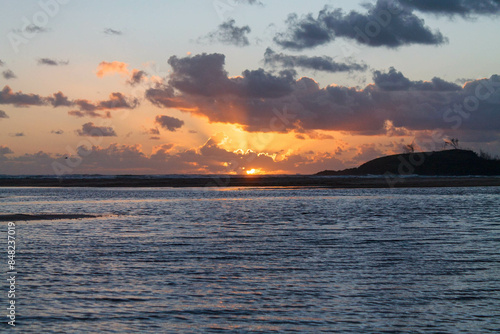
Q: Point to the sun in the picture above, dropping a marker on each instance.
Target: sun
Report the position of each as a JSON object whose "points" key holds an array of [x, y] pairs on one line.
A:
{"points": [[253, 171]]}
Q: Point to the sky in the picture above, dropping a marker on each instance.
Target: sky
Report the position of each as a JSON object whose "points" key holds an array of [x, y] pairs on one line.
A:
{"points": [[242, 86]]}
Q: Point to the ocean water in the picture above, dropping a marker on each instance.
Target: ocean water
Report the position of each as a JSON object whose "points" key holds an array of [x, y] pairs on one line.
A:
{"points": [[255, 260]]}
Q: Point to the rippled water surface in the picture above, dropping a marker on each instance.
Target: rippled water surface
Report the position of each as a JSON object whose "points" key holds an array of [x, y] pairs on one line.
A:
{"points": [[256, 260]]}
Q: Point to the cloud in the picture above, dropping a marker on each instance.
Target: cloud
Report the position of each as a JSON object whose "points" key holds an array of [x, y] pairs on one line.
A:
{"points": [[228, 33], [209, 158], [137, 77], [59, 99], [89, 113], [17, 134], [109, 31], [1, 63], [85, 105], [106, 68], [169, 123], [8, 74], [384, 24], [3, 114], [261, 102], [52, 62], [394, 81], [57, 132], [33, 28], [316, 63], [366, 152], [153, 131], [205, 75], [89, 129], [5, 150], [7, 96], [116, 101], [304, 134], [455, 7]]}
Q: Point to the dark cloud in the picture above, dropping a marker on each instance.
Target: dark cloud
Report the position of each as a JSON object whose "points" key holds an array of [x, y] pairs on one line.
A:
{"points": [[109, 31], [33, 28], [205, 75], [436, 84], [8, 74], [80, 114], [89, 129], [52, 62], [101, 109], [89, 113], [455, 7], [57, 132], [5, 150], [394, 81], [137, 77], [304, 33], [229, 33], [116, 101], [154, 131], [169, 123], [7, 96], [384, 24], [17, 134], [3, 114], [59, 99], [316, 63], [201, 74], [393, 105], [162, 96], [85, 105]]}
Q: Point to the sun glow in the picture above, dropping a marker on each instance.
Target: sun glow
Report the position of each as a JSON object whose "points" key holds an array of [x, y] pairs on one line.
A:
{"points": [[254, 171]]}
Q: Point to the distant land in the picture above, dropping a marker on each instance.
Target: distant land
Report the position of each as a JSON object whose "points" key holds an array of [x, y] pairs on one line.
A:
{"points": [[440, 163]]}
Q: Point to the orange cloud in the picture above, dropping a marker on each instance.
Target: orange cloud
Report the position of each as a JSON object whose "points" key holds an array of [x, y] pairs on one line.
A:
{"points": [[105, 68]]}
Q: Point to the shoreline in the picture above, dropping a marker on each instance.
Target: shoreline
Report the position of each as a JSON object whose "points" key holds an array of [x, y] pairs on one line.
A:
{"points": [[253, 181]]}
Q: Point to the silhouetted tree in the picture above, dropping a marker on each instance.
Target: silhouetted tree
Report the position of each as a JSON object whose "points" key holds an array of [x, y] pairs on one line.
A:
{"points": [[409, 148], [453, 142]]}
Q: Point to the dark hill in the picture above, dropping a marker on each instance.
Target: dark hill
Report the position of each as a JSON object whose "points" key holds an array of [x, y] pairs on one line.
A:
{"points": [[442, 163]]}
